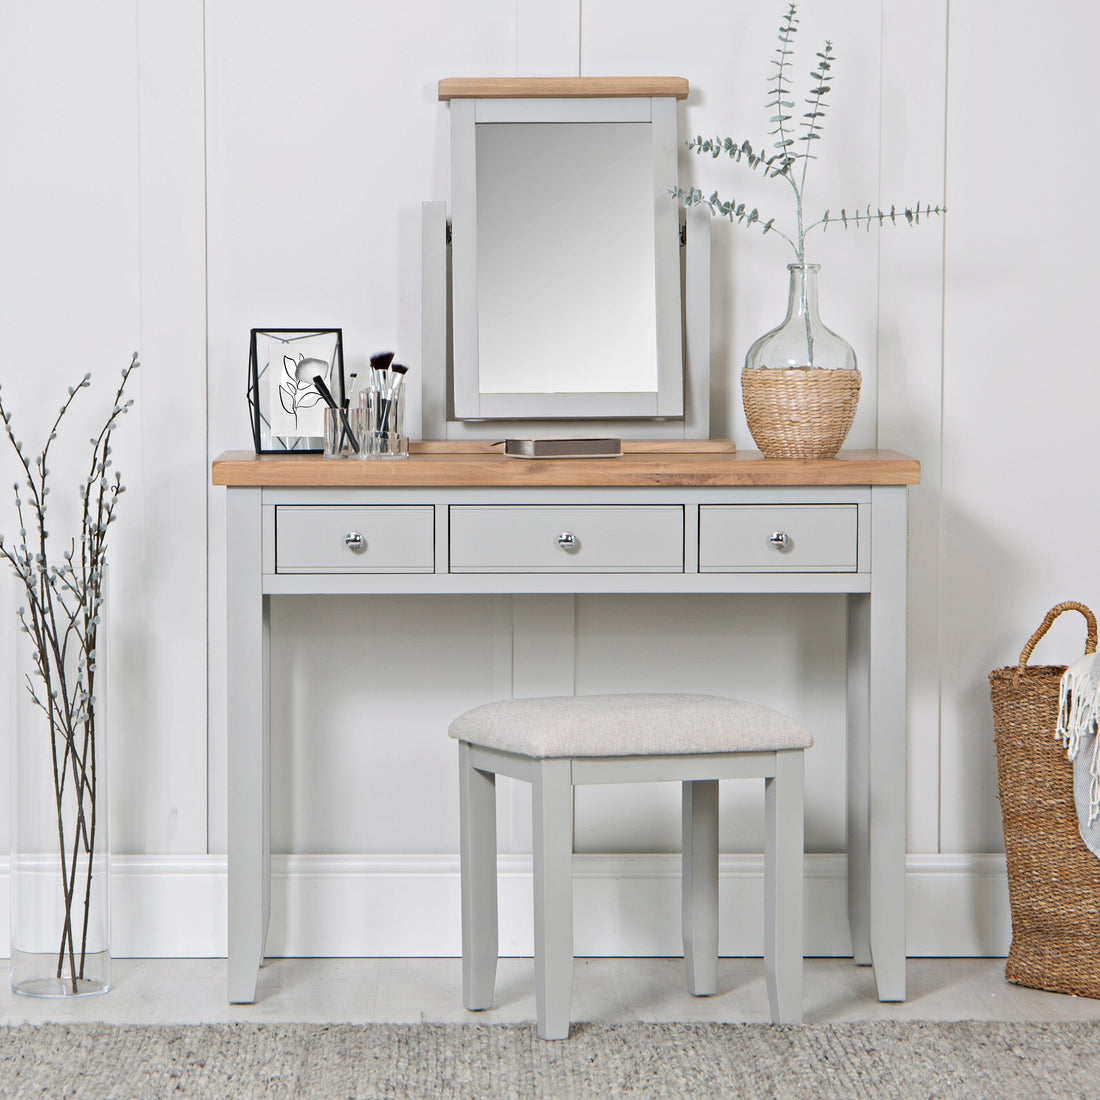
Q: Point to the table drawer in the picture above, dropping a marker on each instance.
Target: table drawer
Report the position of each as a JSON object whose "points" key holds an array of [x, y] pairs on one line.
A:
{"points": [[315, 539], [567, 539], [749, 538]]}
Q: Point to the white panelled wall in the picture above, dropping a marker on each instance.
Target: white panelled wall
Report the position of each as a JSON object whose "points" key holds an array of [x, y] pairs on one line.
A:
{"points": [[176, 174]]}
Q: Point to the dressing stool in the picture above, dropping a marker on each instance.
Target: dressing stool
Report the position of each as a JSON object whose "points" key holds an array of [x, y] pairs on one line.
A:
{"points": [[555, 744]]}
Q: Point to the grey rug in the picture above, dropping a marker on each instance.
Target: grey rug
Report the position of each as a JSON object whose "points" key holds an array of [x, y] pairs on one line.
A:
{"points": [[344, 1061]]}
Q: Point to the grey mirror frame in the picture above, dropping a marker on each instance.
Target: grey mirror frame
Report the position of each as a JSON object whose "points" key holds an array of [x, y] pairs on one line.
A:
{"points": [[667, 401]]}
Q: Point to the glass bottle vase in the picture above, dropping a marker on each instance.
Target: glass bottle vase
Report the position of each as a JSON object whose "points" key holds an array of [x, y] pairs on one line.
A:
{"points": [[60, 874], [800, 384]]}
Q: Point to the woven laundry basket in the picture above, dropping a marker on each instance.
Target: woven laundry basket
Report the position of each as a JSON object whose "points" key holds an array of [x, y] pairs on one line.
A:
{"points": [[1053, 878]]}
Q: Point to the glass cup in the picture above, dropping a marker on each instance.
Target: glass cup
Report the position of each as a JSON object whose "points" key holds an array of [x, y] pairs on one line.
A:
{"points": [[341, 438], [382, 415]]}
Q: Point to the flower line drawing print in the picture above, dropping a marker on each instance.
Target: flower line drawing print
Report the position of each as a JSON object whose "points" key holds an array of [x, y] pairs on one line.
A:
{"points": [[296, 409], [297, 390]]}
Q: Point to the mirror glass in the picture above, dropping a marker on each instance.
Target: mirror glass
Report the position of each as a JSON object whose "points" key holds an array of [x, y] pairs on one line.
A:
{"points": [[566, 285]]}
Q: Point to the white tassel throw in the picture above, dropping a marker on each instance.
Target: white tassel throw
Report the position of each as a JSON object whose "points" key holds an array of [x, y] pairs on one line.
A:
{"points": [[1078, 726]]}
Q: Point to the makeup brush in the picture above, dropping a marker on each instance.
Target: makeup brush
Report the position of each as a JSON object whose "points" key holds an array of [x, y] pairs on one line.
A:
{"points": [[380, 364], [326, 396], [348, 394], [396, 381]]}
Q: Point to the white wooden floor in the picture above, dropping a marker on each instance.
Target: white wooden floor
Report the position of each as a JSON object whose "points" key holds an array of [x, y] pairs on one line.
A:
{"points": [[604, 991]]}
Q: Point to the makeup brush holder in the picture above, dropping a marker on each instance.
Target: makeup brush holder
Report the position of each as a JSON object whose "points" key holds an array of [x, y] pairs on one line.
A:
{"points": [[341, 433], [382, 413]]}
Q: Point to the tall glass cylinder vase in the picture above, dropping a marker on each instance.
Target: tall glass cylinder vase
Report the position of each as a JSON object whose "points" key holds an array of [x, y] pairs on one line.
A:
{"points": [[60, 882]]}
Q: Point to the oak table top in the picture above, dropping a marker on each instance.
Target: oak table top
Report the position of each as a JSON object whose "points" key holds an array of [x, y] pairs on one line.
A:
{"points": [[461, 466]]}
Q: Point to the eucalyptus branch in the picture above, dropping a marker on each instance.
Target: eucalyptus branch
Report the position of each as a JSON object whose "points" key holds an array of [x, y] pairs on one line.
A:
{"points": [[732, 209], [867, 217], [780, 165], [778, 93], [772, 166], [812, 123]]}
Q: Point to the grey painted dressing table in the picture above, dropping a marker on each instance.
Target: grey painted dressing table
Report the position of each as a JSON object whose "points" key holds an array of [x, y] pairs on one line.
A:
{"points": [[663, 518]]}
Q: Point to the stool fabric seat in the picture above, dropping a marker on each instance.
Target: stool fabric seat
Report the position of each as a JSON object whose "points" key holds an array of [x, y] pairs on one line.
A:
{"points": [[558, 743], [628, 725]]}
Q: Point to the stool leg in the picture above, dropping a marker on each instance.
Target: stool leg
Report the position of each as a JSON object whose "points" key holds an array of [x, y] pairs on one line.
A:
{"points": [[478, 861], [783, 844], [552, 812], [699, 885]]}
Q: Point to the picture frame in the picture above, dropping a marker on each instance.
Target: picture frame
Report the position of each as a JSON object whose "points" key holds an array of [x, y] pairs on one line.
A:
{"points": [[285, 408]]}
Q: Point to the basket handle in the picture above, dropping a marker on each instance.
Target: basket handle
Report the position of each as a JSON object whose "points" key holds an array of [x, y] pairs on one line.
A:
{"points": [[1052, 614]]}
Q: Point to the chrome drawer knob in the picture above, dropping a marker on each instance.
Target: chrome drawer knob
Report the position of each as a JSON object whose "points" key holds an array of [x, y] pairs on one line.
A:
{"points": [[779, 540], [568, 541], [353, 540]]}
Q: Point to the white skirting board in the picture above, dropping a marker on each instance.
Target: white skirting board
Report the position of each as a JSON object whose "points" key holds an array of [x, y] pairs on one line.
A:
{"points": [[624, 905]]}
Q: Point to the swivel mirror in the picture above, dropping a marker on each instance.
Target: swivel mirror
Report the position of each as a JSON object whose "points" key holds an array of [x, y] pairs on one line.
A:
{"points": [[565, 257]]}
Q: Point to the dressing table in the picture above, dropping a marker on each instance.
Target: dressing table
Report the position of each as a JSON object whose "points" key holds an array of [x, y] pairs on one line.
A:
{"points": [[462, 521], [676, 513]]}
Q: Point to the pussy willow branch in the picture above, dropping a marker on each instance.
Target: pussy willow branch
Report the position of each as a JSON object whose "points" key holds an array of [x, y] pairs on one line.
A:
{"points": [[64, 603]]}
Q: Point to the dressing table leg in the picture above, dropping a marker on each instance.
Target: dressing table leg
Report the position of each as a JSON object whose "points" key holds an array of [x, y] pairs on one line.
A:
{"points": [[699, 885], [248, 744], [265, 779], [859, 844], [887, 741]]}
